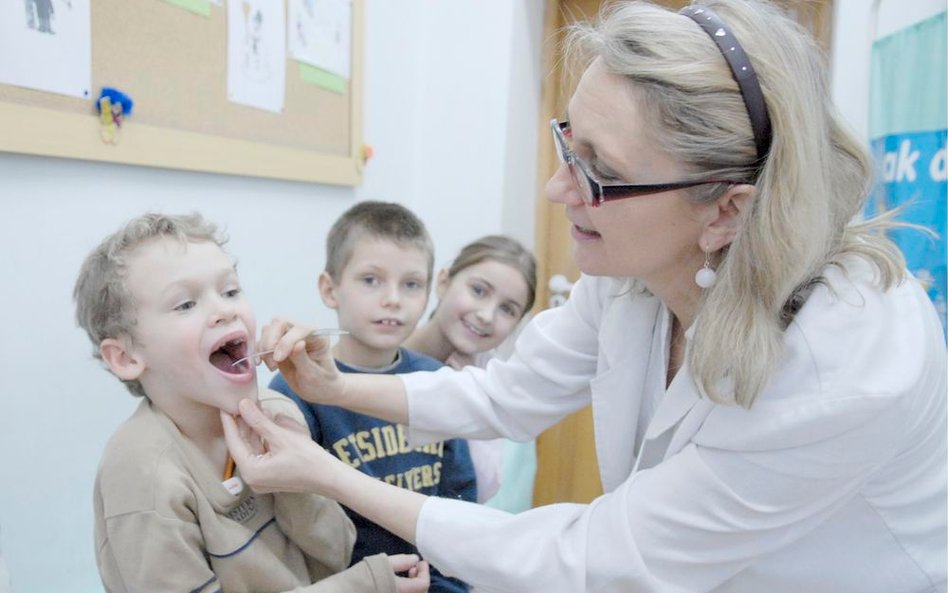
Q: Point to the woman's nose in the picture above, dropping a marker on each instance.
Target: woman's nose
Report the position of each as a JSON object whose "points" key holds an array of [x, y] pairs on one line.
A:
{"points": [[560, 188]]}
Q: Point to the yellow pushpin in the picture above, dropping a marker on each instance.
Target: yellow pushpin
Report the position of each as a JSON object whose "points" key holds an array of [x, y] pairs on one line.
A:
{"points": [[107, 131]]}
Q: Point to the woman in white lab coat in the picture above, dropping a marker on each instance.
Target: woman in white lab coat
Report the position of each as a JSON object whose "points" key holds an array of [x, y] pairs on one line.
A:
{"points": [[768, 384]]}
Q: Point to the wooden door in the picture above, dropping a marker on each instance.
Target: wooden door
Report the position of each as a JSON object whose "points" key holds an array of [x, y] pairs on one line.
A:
{"points": [[567, 468]]}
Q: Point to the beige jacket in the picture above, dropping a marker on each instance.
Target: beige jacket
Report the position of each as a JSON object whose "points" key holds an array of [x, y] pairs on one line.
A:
{"points": [[164, 522]]}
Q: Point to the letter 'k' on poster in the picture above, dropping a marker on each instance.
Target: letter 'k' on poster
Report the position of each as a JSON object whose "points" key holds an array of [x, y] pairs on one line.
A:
{"points": [[908, 125]]}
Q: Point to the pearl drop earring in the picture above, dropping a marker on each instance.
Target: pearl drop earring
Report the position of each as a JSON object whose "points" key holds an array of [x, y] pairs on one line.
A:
{"points": [[706, 276]]}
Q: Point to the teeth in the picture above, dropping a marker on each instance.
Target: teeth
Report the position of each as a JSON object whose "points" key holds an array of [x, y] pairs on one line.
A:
{"points": [[474, 329]]}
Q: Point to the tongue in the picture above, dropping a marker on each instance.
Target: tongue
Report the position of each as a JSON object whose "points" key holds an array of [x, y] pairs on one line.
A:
{"points": [[223, 361]]}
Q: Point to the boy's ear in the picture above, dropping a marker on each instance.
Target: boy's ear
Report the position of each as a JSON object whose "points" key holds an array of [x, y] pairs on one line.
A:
{"points": [[327, 290], [442, 283], [727, 217], [120, 359]]}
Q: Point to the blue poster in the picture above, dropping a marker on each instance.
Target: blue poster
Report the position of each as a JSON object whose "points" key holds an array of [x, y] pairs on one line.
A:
{"points": [[908, 129]]}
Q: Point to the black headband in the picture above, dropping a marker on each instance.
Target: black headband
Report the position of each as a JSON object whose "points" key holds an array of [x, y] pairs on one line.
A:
{"points": [[743, 73]]}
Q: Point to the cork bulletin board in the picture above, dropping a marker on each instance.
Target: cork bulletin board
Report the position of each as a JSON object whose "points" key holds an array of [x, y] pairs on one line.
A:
{"points": [[173, 64]]}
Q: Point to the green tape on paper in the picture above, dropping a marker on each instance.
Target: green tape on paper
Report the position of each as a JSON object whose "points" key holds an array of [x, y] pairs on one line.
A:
{"points": [[201, 7], [320, 77]]}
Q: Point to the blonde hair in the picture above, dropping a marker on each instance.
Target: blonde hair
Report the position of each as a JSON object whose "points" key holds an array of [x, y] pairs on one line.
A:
{"points": [[504, 250], [813, 182], [104, 306]]}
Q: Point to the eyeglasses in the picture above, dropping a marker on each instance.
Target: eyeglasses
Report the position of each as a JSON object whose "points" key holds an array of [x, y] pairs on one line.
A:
{"points": [[594, 192]]}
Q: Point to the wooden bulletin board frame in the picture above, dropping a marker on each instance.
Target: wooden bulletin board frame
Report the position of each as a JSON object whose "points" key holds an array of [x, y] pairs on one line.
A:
{"points": [[173, 64]]}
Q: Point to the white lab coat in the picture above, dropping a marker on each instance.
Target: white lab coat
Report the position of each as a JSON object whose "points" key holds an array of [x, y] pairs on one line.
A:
{"points": [[833, 482]]}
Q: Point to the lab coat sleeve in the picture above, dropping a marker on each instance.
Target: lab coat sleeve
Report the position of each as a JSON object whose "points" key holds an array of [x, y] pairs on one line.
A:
{"points": [[858, 402], [685, 525], [545, 379]]}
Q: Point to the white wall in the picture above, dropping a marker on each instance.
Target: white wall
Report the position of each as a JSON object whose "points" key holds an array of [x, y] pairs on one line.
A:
{"points": [[854, 23], [450, 94]]}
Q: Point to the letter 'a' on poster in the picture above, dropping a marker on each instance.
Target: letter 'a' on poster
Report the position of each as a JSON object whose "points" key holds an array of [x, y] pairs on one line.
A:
{"points": [[908, 128]]}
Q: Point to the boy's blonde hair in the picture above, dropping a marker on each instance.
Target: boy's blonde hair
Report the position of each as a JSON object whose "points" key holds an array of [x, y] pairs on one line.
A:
{"points": [[104, 306], [376, 220]]}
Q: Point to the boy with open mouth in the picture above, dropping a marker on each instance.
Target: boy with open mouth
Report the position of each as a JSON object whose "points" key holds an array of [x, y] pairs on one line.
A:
{"points": [[162, 304]]}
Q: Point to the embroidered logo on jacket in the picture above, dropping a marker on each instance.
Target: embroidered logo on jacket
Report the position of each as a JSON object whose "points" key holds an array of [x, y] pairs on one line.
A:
{"points": [[245, 510]]}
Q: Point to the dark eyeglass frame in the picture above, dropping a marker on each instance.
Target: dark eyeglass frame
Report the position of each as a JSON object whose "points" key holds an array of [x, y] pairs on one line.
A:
{"points": [[594, 192]]}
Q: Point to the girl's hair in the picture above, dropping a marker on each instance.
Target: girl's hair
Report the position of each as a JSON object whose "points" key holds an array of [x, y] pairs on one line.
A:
{"points": [[813, 182], [504, 250], [104, 306]]}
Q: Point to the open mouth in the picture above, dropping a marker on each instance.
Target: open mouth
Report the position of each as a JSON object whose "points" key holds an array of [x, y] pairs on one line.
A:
{"points": [[223, 358]]}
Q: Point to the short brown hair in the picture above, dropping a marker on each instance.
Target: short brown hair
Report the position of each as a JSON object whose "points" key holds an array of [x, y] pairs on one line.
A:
{"points": [[378, 220]]}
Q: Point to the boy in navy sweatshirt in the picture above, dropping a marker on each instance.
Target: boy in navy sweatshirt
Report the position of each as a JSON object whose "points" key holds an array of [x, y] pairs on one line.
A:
{"points": [[377, 277]]}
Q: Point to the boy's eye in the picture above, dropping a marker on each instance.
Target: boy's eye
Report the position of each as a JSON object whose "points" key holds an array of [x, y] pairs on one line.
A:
{"points": [[232, 293], [478, 290], [370, 280], [185, 306]]}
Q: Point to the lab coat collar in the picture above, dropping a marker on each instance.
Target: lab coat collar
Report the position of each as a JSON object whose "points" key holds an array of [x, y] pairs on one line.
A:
{"points": [[626, 334], [680, 412]]}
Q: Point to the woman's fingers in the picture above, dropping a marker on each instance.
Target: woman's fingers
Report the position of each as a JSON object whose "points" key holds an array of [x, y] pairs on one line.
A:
{"points": [[255, 418], [293, 340], [403, 562], [288, 423], [282, 336], [274, 456], [246, 434], [238, 440]]}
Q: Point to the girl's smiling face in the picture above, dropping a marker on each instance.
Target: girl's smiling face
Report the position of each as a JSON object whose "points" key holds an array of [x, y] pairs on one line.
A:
{"points": [[480, 306]]}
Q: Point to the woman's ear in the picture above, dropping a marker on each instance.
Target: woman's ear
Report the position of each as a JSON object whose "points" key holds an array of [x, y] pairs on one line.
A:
{"points": [[120, 359], [442, 284], [327, 290], [727, 215]]}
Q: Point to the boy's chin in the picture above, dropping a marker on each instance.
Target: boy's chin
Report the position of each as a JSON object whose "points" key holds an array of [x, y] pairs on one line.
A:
{"points": [[235, 395], [232, 407]]}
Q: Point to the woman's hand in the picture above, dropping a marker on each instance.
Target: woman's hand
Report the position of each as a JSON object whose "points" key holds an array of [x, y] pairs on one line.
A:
{"points": [[305, 361], [276, 456], [418, 578]]}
